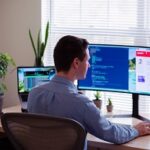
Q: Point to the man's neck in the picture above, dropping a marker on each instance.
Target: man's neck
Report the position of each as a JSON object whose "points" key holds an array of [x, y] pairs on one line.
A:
{"points": [[66, 75]]}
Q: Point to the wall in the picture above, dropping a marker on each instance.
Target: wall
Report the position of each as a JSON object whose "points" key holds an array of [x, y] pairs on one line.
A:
{"points": [[16, 17]]}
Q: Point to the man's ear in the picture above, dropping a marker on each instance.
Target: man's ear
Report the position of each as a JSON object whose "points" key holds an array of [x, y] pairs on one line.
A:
{"points": [[76, 63]]}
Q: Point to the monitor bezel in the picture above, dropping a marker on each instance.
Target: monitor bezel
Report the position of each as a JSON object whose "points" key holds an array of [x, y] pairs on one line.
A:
{"points": [[114, 90], [21, 67]]}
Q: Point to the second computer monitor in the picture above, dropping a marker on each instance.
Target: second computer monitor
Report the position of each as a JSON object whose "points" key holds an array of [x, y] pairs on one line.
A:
{"points": [[30, 77]]}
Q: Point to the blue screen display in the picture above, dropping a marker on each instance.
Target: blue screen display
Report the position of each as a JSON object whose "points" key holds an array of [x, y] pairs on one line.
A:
{"points": [[30, 77], [118, 68]]}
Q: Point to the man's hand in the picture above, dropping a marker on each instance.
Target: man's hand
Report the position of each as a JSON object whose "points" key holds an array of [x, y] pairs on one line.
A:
{"points": [[143, 128]]}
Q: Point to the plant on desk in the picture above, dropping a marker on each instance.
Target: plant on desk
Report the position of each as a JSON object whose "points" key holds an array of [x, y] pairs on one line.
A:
{"points": [[110, 105], [5, 61], [98, 101]]}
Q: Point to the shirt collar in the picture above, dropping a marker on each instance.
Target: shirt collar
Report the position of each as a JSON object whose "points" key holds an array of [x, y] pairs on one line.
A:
{"points": [[65, 81]]}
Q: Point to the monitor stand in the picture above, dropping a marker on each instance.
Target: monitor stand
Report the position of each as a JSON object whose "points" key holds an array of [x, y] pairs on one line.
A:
{"points": [[23, 99], [135, 105], [135, 110]]}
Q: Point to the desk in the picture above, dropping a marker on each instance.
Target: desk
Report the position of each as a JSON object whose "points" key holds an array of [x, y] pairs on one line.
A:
{"points": [[141, 143]]}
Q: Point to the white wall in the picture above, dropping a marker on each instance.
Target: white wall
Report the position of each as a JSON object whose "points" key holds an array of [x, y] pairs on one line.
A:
{"points": [[16, 17]]}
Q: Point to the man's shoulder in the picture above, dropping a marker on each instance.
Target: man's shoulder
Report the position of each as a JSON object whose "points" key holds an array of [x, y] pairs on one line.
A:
{"points": [[82, 98], [40, 88]]}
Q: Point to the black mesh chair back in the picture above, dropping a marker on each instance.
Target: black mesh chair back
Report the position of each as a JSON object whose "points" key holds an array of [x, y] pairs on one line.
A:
{"points": [[42, 132]]}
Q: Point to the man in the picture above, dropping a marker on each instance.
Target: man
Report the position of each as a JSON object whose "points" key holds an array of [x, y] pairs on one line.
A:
{"points": [[60, 97]]}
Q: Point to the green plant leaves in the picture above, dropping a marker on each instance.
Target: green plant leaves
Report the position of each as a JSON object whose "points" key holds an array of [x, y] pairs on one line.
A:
{"points": [[5, 61], [30, 35], [39, 50], [109, 101], [97, 95], [46, 33]]}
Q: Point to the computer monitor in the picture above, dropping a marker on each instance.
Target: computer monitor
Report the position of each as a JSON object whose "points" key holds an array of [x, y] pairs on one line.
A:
{"points": [[118, 68], [30, 77]]}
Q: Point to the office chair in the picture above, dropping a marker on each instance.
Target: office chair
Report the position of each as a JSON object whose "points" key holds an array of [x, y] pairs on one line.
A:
{"points": [[42, 132]]}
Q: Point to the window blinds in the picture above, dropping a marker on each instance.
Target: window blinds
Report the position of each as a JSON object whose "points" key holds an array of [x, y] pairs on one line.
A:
{"points": [[99, 21]]}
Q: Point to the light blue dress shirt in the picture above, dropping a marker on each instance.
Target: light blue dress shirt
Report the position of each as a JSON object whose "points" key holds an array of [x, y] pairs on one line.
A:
{"points": [[60, 98]]}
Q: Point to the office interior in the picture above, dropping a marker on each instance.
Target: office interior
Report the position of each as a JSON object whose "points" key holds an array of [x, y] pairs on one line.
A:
{"points": [[17, 17]]}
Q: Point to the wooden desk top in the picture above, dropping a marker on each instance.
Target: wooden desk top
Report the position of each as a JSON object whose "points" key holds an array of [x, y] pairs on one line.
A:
{"points": [[141, 143], [12, 109]]}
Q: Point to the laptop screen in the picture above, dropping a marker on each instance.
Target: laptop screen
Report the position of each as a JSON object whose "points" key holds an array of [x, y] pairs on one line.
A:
{"points": [[30, 77]]}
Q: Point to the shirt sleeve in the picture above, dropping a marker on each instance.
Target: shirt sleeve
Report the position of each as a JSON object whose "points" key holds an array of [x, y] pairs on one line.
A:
{"points": [[99, 126]]}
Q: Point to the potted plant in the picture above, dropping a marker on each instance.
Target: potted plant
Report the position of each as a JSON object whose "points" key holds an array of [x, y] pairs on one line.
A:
{"points": [[110, 105], [40, 48], [5, 61], [97, 101]]}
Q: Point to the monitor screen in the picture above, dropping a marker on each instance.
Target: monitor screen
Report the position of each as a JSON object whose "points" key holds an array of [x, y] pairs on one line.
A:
{"points": [[30, 77], [118, 68]]}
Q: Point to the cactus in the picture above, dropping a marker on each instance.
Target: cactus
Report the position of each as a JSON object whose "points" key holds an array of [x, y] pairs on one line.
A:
{"points": [[109, 101], [97, 95]]}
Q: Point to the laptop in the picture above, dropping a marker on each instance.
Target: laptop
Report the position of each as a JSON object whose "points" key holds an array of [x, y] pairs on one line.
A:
{"points": [[31, 77]]}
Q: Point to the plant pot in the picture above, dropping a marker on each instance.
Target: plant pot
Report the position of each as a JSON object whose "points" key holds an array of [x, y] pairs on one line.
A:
{"points": [[109, 108], [98, 103], [1, 103]]}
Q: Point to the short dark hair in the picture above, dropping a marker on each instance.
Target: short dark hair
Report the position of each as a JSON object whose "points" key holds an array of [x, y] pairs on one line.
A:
{"points": [[68, 48]]}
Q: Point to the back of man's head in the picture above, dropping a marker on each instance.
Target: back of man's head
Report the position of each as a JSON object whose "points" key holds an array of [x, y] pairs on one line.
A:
{"points": [[67, 49]]}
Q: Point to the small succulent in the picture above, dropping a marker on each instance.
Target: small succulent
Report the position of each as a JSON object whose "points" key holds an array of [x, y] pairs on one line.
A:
{"points": [[109, 101], [97, 95]]}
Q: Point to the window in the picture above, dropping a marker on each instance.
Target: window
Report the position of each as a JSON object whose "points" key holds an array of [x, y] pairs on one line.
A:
{"points": [[100, 21]]}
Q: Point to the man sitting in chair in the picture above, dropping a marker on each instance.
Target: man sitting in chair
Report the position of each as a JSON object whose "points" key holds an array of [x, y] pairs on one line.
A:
{"points": [[60, 96]]}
